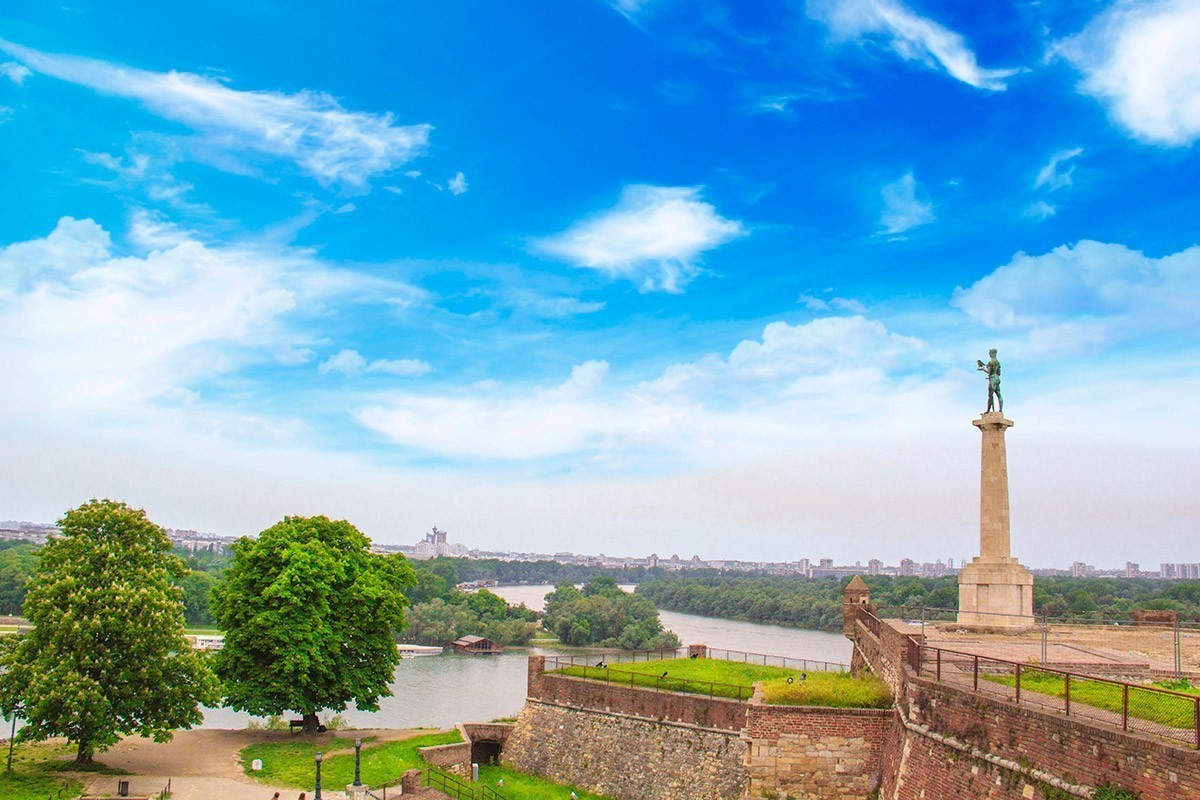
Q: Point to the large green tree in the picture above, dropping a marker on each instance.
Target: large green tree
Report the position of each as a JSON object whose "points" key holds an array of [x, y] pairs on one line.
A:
{"points": [[107, 655], [308, 613]]}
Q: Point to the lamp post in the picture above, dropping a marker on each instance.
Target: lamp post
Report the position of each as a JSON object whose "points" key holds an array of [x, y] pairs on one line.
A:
{"points": [[12, 738], [357, 762], [317, 790]]}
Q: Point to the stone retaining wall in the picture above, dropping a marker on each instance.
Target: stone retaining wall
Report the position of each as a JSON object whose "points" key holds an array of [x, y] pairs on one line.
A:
{"points": [[454, 757], [626, 757]]}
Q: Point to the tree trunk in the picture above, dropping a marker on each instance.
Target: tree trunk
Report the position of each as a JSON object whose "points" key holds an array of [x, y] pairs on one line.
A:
{"points": [[311, 723], [83, 754]]}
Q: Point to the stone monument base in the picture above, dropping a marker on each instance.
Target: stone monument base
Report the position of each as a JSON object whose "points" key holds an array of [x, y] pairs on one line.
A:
{"points": [[995, 593]]}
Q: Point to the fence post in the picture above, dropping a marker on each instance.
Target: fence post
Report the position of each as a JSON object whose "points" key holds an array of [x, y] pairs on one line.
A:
{"points": [[977, 673], [1045, 635], [1018, 683], [1125, 708], [1067, 693], [939, 665], [1177, 659]]}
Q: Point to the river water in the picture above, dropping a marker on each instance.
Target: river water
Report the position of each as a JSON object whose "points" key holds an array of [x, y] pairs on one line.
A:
{"points": [[438, 691]]}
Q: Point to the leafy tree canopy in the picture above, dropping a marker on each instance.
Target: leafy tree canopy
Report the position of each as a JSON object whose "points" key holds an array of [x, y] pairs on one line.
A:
{"points": [[309, 614], [106, 656], [602, 614]]}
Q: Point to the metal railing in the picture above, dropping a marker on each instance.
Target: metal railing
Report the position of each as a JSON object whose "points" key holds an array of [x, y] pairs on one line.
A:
{"points": [[1144, 708], [1185, 634], [596, 667], [658, 683], [787, 662], [457, 787]]}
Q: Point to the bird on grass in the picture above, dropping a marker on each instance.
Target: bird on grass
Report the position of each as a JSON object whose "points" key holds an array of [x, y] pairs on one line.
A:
{"points": [[694, 655], [664, 674], [600, 664], [500, 782]]}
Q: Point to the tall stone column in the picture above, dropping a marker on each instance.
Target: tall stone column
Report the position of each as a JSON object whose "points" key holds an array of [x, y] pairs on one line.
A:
{"points": [[994, 590]]}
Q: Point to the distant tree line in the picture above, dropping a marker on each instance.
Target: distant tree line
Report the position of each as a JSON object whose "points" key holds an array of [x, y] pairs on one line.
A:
{"points": [[817, 604], [548, 572]]}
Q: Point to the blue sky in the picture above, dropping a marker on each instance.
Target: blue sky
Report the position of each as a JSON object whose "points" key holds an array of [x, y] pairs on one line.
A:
{"points": [[607, 276]]}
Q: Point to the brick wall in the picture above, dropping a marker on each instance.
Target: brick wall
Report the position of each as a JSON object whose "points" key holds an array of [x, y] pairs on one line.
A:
{"points": [[958, 743], [692, 709], [828, 753]]}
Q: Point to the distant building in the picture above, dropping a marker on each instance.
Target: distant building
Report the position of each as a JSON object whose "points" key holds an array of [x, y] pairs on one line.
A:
{"points": [[1132, 569], [477, 646], [435, 544], [874, 567], [908, 566]]}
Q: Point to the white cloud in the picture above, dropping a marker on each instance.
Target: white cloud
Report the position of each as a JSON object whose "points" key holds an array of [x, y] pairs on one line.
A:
{"points": [[6, 113], [911, 36], [1142, 61], [147, 167], [345, 208], [902, 208], [94, 334], [458, 184], [17, 73], [352, 364], [1052, 176], [653, 236], [1088, 293], [311, 129]]}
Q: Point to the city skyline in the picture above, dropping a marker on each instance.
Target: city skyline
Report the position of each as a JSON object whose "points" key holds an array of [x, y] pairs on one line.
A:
{"points": [[602, 273]]}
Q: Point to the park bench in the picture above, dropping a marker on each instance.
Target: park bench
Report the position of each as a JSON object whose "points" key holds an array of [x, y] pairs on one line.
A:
{"points": [[299, 723]]}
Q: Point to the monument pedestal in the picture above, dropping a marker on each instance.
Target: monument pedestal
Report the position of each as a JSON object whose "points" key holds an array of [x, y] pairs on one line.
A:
{"points": [[994, 590], [995, 593]]}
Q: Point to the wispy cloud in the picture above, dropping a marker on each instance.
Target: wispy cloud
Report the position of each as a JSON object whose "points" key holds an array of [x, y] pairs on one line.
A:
{"points": [[93, 332], [653, 236], [909, 35], [903, 209], [1140, 60], [457, 184], [17, 73], [1041, 210], [311, 129], [352, 364], [1057, 174]]}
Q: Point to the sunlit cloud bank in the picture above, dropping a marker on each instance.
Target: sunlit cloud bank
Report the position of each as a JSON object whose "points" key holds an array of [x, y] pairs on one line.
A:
{"points": [[1140, 60]]}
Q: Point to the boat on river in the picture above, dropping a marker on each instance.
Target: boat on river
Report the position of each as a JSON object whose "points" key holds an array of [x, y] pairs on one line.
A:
{"points": [[415, 650]]}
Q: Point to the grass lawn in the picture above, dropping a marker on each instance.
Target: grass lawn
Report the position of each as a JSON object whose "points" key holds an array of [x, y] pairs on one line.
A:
{"points": [[291, 763], [1174, 712], [37, 772], [829, 689], [695, 675], [519, 786], [203, 631]]}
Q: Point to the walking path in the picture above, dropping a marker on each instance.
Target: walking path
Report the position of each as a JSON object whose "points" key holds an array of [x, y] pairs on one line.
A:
{"points": [[203, 764]]}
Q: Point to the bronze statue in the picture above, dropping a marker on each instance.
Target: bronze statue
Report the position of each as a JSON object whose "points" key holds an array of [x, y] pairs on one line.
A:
{"points": [[992, 368]]}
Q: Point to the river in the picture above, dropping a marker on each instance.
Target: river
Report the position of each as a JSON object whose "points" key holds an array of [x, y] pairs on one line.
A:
{"points": [[438, 691]]}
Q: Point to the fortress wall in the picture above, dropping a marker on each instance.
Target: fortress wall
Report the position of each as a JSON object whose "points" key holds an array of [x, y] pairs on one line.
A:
{"points": [[1077, 751], [949, 741], [627, 757], [797, 751]]}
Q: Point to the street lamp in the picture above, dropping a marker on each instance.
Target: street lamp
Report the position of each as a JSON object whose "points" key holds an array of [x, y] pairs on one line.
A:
{"points": [[317, 791], [357, 762]]}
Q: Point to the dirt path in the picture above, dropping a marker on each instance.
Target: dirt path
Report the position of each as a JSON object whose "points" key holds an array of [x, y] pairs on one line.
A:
{"points": [[204, 764]]}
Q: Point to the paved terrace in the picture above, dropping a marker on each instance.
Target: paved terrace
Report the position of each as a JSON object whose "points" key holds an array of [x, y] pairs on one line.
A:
{"points": [[1107, 650]]}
